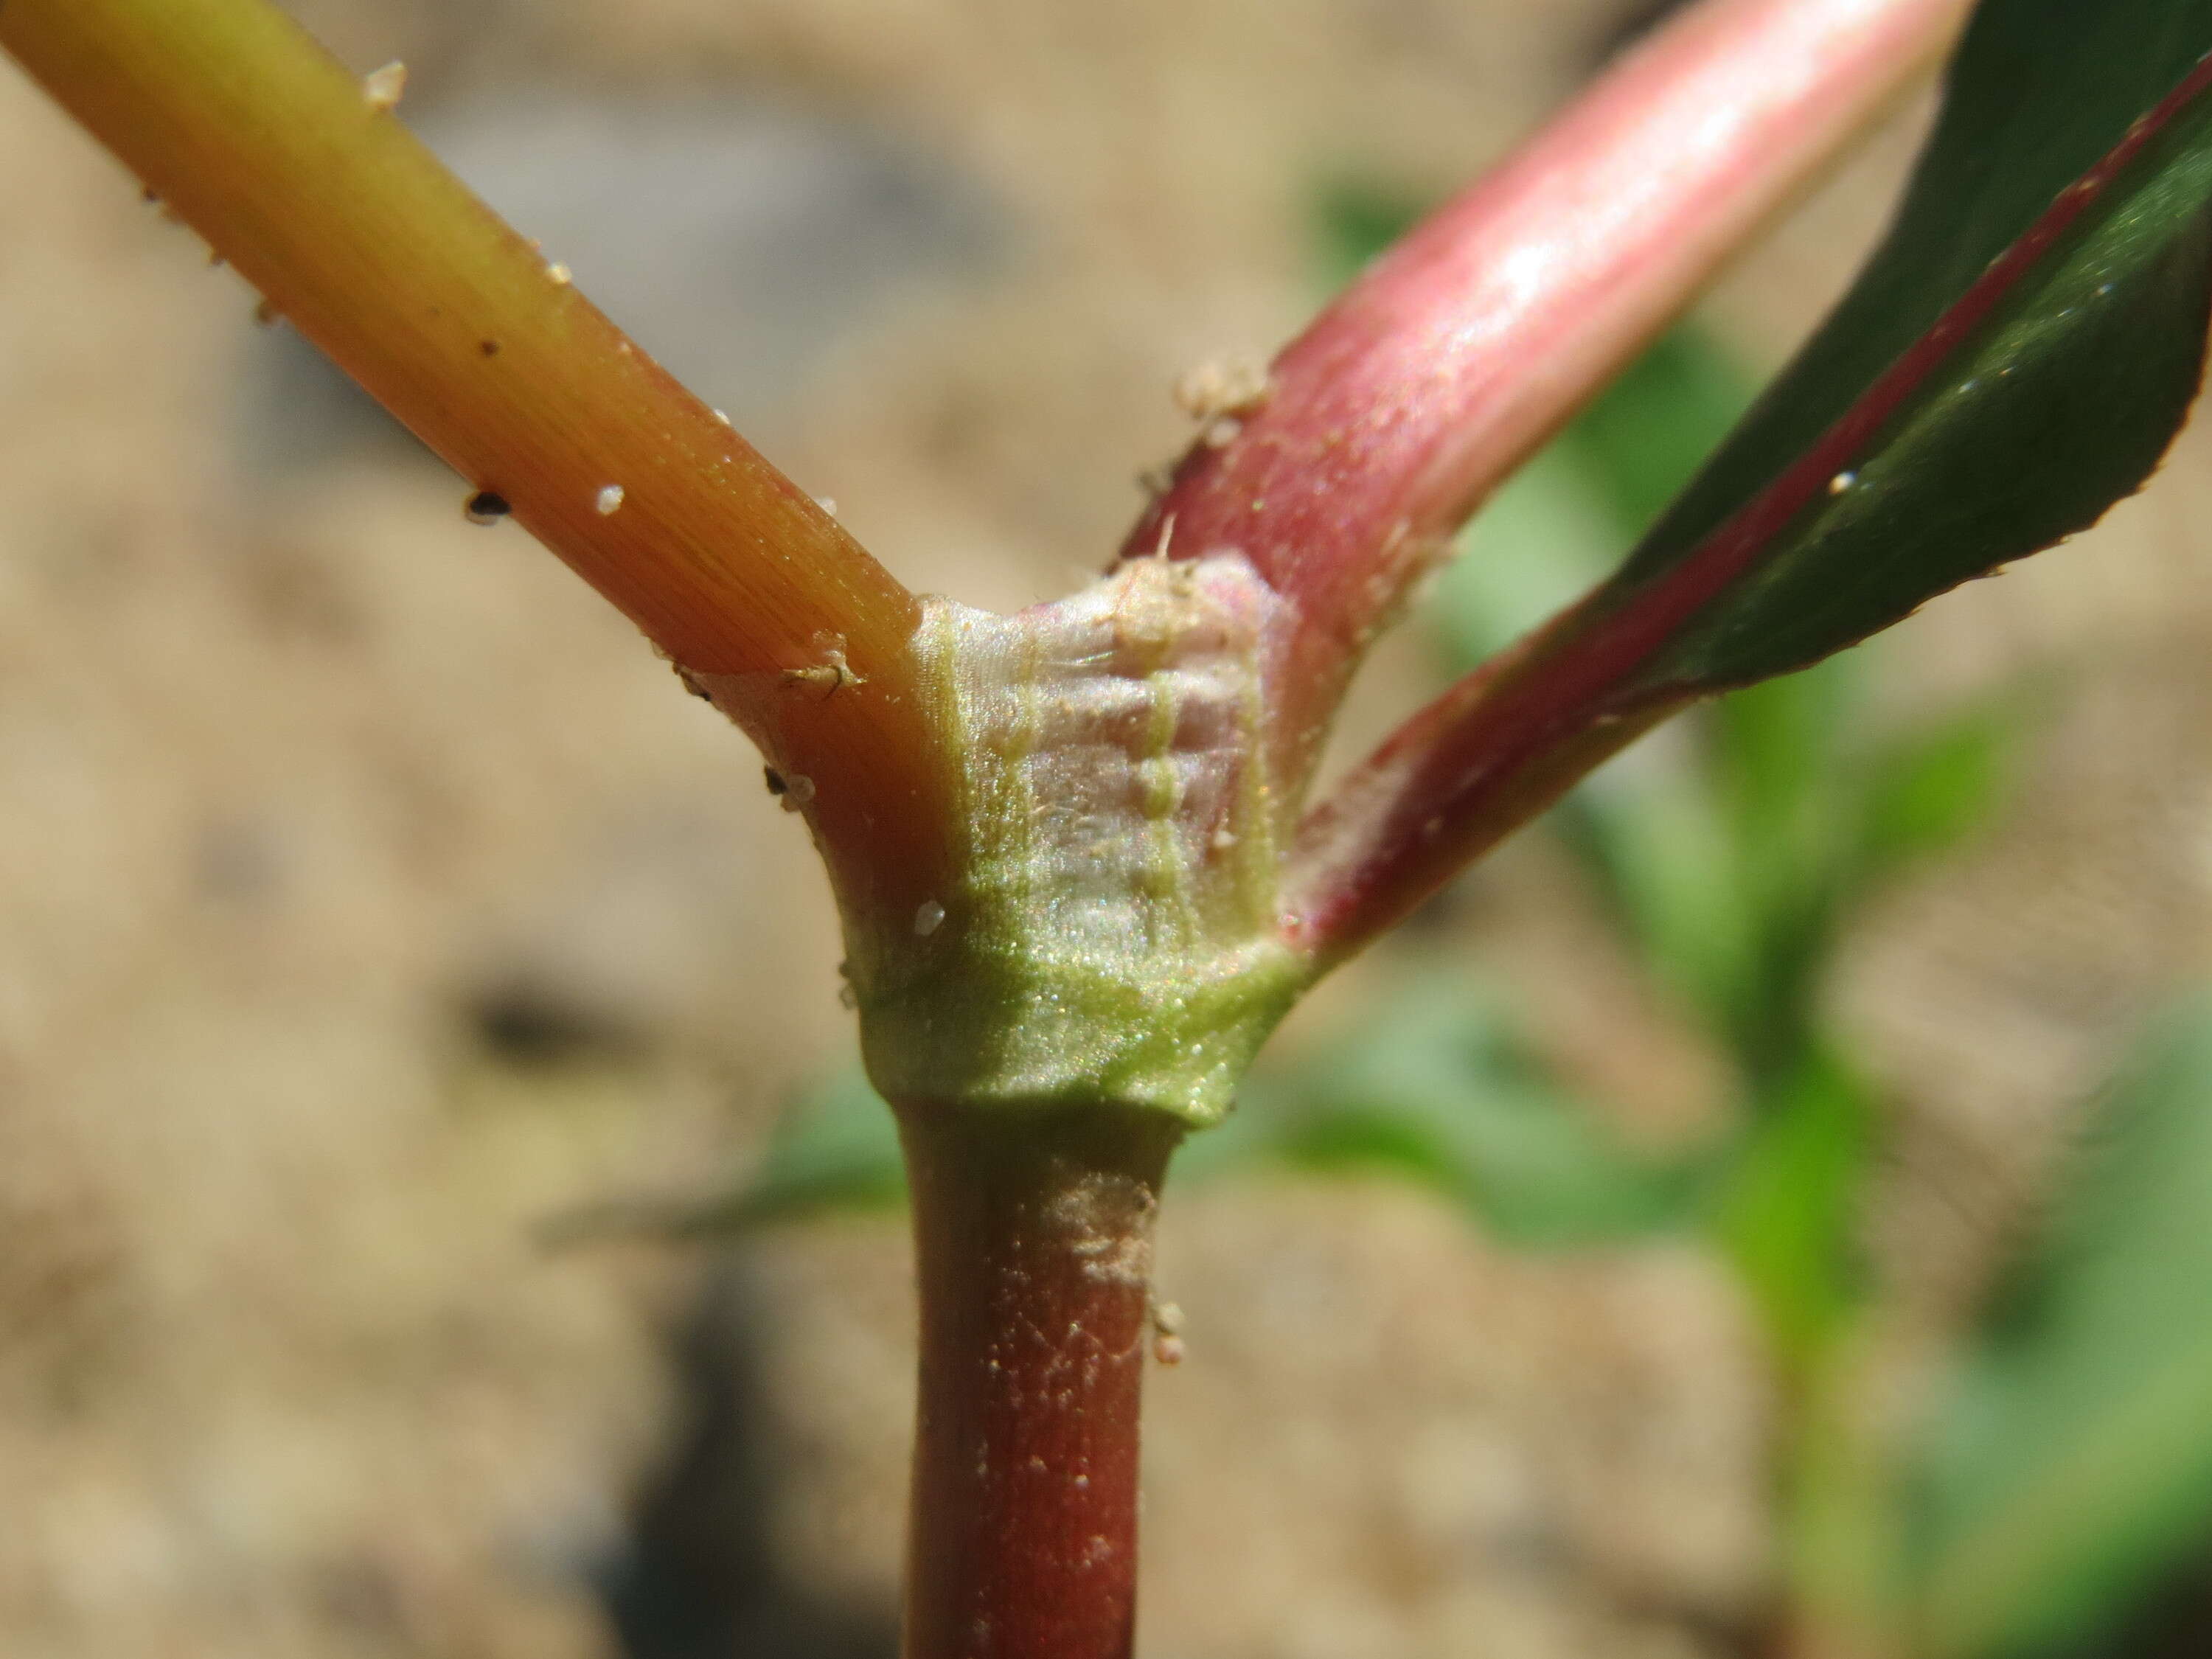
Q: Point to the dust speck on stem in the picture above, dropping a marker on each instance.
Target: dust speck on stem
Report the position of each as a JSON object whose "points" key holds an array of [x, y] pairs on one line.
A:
{"points": [[382, 89], [609, 501], [1091, 1217]]}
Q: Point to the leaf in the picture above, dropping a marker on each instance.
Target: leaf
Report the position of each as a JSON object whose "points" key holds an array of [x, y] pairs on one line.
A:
{"points": [[1650, 830], [1355, 222], [1648, 433], [1569, 515], [835, 1148], [1543, 538], [2071, 1465], [2016, 358], [1789, 1215], [1435, 1089], [1929, 788]]}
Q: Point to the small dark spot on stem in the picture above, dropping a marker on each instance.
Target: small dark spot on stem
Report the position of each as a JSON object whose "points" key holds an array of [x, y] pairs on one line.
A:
{"points": [[490, 348], [487, 507], [776, 786]]}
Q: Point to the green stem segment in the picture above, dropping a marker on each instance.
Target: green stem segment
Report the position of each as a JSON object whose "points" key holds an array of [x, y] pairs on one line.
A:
{"points": [[1033, 1241], [306, 182]]}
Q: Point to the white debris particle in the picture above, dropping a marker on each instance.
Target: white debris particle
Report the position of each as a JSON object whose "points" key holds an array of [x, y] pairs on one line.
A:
{"points": [[1167, 1350], [928, 919], [723, 415], [798, 790], [828, 504], [383, 89], [560, 274], [610, 500], [1220, 434], [1842, 481], [831, 675], [1224, 839]]}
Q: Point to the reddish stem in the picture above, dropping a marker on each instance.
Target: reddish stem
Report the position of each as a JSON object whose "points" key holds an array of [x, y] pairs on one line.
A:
{"points": [[1033, 1244], [1510, 737], [1450, 362]]}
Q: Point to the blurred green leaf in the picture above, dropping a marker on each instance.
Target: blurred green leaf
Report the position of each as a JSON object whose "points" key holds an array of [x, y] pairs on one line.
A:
{"points": [[2071, 1464], [1788, 1215], [1648, 433], [2057, 403], [1358, 220], [1568, 516], [1930, 787], [1648, 830], [1778, 754], [1434, 1089], [835, 1148], [1543, 538]]}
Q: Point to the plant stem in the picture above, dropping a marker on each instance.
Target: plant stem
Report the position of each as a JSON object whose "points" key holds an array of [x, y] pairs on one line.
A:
{"points": [[366, 243], [1436, 374], [1511, 737], [1033, 1244]]}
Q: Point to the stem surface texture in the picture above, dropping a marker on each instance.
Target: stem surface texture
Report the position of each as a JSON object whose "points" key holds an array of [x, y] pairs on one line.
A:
{"points": [[1033, 1240]]}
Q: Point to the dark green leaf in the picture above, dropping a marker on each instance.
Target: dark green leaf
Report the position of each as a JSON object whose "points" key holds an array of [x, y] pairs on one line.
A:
{"points": [[2072, 1464], [1891, 461]]}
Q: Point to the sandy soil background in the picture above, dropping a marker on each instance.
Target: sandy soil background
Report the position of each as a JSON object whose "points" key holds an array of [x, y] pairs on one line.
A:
{"points": [[369, 892]]}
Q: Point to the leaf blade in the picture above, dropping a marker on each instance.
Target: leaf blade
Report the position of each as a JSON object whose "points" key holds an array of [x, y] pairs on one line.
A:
{"points": [[1959, 410]]}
